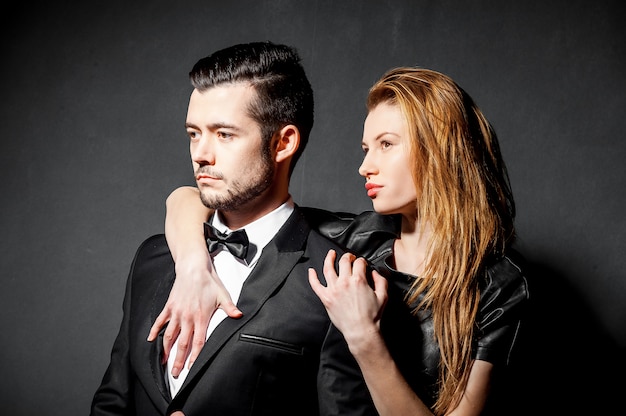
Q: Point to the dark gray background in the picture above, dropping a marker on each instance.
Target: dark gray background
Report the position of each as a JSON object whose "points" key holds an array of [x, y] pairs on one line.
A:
{"points": [[94, 97]]}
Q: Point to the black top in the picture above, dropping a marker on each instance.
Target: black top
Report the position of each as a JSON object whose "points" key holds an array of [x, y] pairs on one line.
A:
{"points": [[503, 289]]}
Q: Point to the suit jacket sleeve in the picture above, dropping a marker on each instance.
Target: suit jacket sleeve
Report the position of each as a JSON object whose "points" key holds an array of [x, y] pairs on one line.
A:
{"points": [[113, 397], [341, 387]]}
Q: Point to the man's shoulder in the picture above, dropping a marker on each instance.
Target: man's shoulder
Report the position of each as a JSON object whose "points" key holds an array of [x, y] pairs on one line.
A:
{"points": [[151, 277], [152, 256], [298, 234], [155, 245], [318, 240]]}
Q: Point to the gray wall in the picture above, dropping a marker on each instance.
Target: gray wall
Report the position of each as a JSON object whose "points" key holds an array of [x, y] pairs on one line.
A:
{"points": [[94, 97]]}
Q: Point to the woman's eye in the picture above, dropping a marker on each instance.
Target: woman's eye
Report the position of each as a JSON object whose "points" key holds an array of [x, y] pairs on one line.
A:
{"points": [[385, 144]]}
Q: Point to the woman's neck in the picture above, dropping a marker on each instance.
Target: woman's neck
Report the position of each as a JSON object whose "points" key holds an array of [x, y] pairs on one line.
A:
{"points": [[411, 249]]}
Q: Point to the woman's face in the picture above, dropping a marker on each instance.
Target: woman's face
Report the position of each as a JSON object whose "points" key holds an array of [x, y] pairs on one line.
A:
{"points": [[386, 165]]}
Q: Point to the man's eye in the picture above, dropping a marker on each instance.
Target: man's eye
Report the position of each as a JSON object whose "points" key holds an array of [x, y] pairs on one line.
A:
{"points": [[193, 135], [224, 135]]}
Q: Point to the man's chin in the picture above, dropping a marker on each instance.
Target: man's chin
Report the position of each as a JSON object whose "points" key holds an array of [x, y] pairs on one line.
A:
{"points": [[209, 200]]}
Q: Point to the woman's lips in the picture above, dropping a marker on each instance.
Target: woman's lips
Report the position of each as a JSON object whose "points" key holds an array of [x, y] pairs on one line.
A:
{"points": [[372, 189]]}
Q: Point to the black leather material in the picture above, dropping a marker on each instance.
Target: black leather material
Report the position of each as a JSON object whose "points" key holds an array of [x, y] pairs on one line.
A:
{"points": [[367, 234], [410, 336]]}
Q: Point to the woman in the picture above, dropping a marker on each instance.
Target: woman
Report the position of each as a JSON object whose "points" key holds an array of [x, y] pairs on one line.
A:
{"points": [[437, 351]]}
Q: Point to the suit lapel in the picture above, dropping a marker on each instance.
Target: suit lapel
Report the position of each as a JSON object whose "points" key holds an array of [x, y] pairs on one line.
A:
{"points": [[276, 262]]}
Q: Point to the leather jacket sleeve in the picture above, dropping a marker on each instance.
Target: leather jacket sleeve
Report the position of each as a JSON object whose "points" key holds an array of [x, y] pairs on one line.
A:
{"points": [[504, 298]]}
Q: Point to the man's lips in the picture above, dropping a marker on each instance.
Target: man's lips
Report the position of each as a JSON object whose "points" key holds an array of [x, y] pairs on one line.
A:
{"points": [[206, 179], [372, 189]]}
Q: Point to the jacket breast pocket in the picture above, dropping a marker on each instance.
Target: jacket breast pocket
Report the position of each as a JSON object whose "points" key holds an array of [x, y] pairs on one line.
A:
{"points": [[272, 343]]}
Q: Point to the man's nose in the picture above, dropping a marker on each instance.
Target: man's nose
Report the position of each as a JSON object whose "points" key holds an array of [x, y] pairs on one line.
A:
{"points": [[202, 151]]}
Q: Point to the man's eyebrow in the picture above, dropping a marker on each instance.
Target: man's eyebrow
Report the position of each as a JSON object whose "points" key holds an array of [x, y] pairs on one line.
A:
{"points": [[214, 126]]}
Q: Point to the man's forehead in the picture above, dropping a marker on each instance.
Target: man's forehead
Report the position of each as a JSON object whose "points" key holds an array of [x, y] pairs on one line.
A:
{"points": [[224, 96], [224, 105]]}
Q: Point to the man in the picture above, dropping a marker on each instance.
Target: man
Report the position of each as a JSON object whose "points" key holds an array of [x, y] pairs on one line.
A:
{"points": [[249, 118]]}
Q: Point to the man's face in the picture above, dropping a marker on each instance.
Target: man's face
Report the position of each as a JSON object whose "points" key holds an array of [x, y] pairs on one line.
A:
{"points": [[232, 166]]}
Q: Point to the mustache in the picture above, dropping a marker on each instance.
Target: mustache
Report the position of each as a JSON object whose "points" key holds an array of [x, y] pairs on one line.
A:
{"points": [[207, 170]]}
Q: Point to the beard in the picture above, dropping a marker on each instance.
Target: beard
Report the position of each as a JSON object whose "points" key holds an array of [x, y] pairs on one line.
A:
{"points": [[242, 191]]}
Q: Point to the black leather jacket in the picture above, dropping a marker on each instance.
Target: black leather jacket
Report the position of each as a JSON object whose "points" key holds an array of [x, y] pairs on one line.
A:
{"points": [[504, 295]]}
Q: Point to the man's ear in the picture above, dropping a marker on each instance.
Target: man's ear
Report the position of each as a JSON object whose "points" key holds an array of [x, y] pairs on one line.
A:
{"points": [[287, 142]]}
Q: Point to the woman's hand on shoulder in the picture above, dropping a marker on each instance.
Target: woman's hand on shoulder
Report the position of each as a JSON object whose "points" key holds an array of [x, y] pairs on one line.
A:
{"points": [[197, 293], [352, 305]]}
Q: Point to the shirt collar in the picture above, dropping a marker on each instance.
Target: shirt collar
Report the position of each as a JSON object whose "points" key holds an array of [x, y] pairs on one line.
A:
{"points": [[261, 231]]}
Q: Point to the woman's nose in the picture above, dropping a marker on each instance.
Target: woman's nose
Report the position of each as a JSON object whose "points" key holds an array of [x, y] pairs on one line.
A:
{"points": [[366, 168]]}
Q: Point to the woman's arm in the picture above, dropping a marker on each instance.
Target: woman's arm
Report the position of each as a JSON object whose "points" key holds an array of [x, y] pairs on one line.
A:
{"points": [[355, 309], [197, 292]]}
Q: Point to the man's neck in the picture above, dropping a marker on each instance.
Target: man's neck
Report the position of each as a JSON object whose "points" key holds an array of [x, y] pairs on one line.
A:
{"points": [[251, 212]]}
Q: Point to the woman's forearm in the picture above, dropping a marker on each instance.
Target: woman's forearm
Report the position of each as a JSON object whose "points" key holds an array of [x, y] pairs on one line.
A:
{"points": [[185, 215], [389, 390], [355, 308]]}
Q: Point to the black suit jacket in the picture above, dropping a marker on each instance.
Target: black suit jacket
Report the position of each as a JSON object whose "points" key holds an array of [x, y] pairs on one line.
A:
{"points": [[284, 357]]}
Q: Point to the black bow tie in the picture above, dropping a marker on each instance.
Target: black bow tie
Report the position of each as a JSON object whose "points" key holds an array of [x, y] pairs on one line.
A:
{"points": [[236, 242]]}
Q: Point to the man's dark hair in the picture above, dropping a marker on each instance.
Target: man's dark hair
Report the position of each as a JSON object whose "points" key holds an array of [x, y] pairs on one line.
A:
{"points": [[284, 94]]}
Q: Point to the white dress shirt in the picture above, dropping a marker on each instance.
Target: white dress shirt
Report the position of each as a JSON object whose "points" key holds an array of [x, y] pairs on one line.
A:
{"points": [[233, 272]]}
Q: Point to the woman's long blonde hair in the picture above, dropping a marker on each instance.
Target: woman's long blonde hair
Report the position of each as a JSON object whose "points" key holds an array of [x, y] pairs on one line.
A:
{"points": [[464, 195]]}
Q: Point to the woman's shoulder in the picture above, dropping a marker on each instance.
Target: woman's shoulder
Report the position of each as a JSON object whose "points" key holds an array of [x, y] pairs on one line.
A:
{"points": [[506, 273], [504, 287], [504, 300]]}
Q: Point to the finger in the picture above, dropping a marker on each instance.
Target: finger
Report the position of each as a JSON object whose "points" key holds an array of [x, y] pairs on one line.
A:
{"points": [[345, 264], [222, 298], [169, 337], [199, 338], [161, 320], [380, 289], [348, 257], [359, 269], [201, 324], [231, 309], [315, 283], [329, 267], [181, 352]]}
